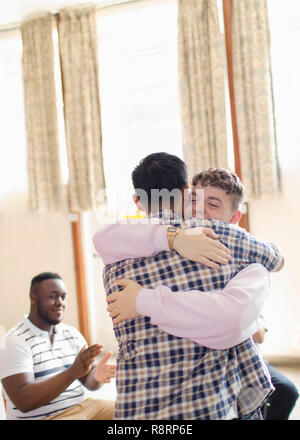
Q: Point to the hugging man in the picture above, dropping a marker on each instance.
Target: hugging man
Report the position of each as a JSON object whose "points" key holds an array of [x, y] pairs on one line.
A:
{"points": [[162, 376]]}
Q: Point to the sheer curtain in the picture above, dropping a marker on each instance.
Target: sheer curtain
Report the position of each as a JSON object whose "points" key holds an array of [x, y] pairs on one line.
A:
{"points": [[79, 66], [202, 85], [254, 98], [43, 156]]}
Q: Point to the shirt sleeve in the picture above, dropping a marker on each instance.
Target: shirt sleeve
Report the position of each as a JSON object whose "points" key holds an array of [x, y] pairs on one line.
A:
{"points": [[15, 357], [219, 319], [244, 247], [119, 241], [260, 251]]}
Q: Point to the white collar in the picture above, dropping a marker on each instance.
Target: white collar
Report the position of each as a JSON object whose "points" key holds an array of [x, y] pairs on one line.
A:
{"points": [[38, 331]]}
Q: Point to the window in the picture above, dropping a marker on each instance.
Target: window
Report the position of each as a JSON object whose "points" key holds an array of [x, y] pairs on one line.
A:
{"points": [[13, 139], [284, 20], [138, 93]]}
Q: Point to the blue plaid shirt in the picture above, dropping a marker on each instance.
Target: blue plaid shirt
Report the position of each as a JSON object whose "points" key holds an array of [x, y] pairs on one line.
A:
{"points": [[160, 376]]}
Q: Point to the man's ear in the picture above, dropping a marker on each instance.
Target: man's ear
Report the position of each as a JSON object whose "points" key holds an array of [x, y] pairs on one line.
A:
{"points": [[236, 217], [137, 202], [33, 297]]}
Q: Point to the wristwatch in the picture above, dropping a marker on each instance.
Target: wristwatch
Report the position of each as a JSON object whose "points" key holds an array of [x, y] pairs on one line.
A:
{"points": [[171, 234]]}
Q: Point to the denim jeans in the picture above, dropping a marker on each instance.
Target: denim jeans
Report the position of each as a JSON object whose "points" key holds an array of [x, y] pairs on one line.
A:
{"points": [[256, 415], [282, 401]]}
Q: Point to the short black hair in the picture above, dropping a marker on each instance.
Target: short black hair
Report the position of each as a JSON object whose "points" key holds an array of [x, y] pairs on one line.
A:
{"points": [[44, 276], [159, 171]]}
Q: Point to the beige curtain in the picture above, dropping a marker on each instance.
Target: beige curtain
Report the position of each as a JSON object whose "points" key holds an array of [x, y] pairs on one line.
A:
{"points": [[253, 98], [201, 85], [79, 66], [43, 159]]}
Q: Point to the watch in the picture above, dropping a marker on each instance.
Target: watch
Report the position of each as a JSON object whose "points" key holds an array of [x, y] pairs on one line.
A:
{"points": [[171, 234]]}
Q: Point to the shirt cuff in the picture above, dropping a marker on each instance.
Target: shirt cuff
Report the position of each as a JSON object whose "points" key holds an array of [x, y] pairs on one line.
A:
{"points": [[144, 301], [160, 239]]}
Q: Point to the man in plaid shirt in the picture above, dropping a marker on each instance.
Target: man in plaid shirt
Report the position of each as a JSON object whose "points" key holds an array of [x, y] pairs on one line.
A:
{"points": [[161, 376]]}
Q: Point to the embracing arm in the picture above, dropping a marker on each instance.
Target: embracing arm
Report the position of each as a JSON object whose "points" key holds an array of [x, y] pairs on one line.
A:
{"points": [[280, 266], [246, 248], [119, 241], [217, 319]]}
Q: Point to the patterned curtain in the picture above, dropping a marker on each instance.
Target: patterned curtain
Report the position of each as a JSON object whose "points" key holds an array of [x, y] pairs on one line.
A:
{"points": [[43, 158], [79, 66], [202, 85], [254, 98]]}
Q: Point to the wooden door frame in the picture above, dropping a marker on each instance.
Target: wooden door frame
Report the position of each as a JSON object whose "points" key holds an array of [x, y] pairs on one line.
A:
{"points": [[82, 300], [227, 16]]}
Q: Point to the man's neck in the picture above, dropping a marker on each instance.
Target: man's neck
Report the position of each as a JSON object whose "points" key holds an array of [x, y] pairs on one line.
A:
{"points": [[41, 324]]}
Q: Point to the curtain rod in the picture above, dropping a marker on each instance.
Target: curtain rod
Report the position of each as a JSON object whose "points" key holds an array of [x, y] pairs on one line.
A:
{"points": [[15, 26]]}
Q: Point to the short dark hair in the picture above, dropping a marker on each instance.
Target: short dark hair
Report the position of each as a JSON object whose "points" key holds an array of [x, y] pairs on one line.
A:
{"points": [[224, 179], [159, 171], [44, 276]]}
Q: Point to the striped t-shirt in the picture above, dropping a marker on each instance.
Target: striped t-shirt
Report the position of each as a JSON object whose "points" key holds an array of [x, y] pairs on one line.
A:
{"points": [[28, 349]]}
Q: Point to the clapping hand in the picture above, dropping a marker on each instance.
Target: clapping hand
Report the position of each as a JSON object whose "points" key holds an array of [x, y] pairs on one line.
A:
{"points": [[103, 371]]}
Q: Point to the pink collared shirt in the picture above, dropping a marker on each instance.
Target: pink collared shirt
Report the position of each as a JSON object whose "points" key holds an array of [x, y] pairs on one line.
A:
{"points": [[218, 319]]}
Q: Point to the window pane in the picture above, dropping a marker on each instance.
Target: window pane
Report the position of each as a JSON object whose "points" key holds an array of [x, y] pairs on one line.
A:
{"points": [[138, 91], [285, 36], [13, 144]]}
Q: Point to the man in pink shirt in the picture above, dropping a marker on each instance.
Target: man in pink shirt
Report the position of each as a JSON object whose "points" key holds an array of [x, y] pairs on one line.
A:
{"points": [[161, 376], [218, 319]]}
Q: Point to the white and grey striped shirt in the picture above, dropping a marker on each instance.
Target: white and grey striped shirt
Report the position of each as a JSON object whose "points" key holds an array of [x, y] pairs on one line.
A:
{"points": [[28, 349]]}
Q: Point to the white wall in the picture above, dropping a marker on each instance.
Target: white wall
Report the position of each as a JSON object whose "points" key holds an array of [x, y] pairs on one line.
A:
{"points": [[279, 220], [30, 242], [101, 326]]}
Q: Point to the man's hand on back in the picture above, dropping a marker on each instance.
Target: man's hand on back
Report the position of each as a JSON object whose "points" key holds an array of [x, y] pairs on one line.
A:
{"points": [[122, 304], [201, 245]]}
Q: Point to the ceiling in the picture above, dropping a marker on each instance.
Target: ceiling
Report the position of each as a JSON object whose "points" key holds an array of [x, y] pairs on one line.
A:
{"points": [[15, 11]]}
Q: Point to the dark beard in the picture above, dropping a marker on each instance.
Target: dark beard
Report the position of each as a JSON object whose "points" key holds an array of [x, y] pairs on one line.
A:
{"points": [[45, 317], [52, 321]]}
